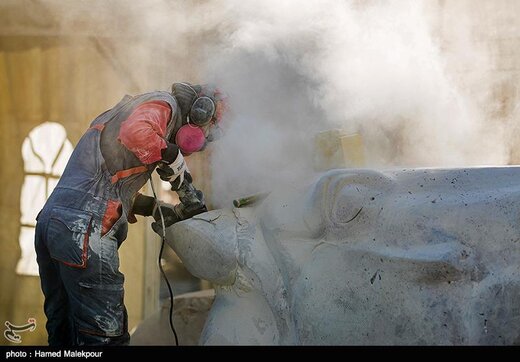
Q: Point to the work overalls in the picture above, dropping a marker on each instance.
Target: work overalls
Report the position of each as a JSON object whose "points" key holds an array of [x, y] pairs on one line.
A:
{"points": [[82, 226]]}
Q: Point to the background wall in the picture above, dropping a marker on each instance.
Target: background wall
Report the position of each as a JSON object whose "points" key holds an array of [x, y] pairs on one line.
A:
{"points": [[481, 44]]}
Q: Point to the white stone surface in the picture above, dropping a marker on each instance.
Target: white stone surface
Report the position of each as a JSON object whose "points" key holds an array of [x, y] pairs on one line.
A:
{"points": [[400, 257]]}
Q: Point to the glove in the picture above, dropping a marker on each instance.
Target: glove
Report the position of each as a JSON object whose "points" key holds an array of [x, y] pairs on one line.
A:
{"points": [[166, 174], [173, 172], [192, 210], [173, 214], [169, 213]]}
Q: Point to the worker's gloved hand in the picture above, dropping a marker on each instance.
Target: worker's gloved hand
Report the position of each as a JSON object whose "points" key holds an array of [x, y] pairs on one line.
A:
{"points": [[176, 184], [169, 213], [167, 174], [193, 210], [175, 171]]}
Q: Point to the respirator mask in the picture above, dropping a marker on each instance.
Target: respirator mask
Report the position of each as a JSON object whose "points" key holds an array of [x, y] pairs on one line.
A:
{"points": [[201, 111]]}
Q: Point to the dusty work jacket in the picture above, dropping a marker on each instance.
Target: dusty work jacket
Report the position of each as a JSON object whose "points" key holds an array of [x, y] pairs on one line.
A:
{"points": [[95, 192]]}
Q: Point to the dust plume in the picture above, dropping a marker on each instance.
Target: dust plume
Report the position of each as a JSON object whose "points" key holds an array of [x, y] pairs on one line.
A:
{"points": [[295, 68]]}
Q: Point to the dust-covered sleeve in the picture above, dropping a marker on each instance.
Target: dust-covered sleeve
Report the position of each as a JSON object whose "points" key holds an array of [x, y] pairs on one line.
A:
{"points": [[144, 130]]}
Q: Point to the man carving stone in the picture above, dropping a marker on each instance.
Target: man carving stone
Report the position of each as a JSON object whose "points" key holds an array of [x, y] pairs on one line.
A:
{"points": [[85, 220]]}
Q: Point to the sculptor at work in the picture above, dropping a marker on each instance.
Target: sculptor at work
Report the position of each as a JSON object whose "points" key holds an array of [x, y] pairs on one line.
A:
{"points": [[85, 220]]}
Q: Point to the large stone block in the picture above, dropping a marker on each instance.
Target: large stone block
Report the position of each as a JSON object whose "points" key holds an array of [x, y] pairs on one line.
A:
{"points": [[400, 257]]}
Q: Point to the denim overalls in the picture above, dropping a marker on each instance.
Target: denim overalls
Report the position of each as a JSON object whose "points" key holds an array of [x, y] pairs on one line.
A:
{"points": [[81, 227]]}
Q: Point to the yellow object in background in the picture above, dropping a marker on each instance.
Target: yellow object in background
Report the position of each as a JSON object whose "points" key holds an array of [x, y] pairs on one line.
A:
{"points": [[337, 149]]}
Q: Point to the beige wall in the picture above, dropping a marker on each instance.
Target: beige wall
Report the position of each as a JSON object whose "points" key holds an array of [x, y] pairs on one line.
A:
{"points": [[481, 42]]}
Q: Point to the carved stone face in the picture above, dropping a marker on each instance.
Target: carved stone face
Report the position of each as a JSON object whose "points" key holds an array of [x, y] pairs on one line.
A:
{"points": [[424, 256]]}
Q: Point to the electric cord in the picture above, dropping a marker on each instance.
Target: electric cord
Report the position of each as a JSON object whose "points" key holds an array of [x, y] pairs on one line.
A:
{"points": [[163, 237]]}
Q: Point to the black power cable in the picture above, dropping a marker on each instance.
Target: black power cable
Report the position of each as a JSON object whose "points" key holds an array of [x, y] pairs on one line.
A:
{"points": [[163, 238], [170, 291]]}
